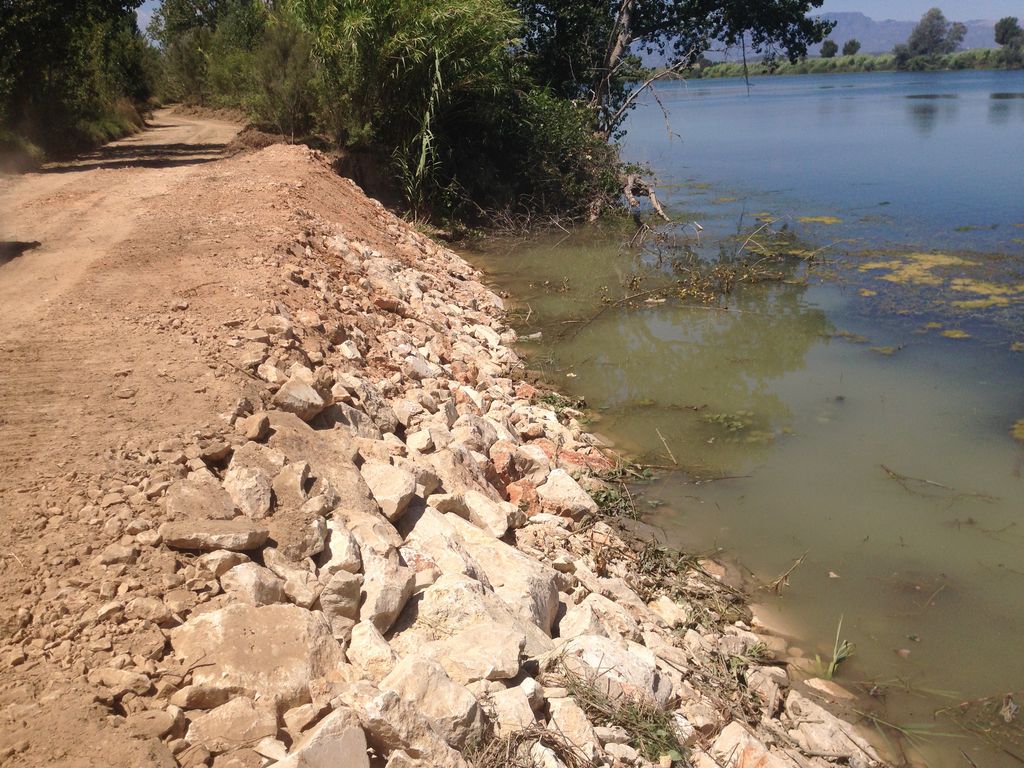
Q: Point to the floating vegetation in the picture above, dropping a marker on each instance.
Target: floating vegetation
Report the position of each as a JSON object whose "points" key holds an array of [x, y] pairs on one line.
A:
{"points": [[976, 228], [1017, 346], [738, 427], [732, 422], [915, 268], [991, 301], [1018, 430], [850, 336], [867, 293], [955, 333], [819, 220], [725, 199], [888, 351]]}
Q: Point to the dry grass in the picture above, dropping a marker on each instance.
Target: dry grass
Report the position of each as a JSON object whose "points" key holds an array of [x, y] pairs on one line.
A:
{"points": [[650, 728], [513, 751]]}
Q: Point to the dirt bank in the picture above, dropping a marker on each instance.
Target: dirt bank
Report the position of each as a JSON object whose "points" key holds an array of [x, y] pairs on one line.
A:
{"points": [[274, 494]]}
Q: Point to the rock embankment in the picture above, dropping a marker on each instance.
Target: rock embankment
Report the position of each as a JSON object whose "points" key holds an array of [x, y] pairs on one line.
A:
{"points": [[388, 553]]}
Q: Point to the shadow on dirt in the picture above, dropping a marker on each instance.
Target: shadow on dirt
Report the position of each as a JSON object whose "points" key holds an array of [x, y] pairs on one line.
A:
{"points": [[141, 156], [12, 249]]}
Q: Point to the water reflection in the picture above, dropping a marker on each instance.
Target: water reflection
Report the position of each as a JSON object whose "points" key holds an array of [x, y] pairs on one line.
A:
{"points": [[925, 112], [1002, 106]]}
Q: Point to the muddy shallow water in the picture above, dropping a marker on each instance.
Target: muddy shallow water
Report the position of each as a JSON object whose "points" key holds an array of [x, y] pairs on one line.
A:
{"points": [[856, 407]]}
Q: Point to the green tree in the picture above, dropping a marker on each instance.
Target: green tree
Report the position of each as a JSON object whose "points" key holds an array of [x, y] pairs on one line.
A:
{"points": [[829, 49], [934, 35], [1009, 32], [581, 48], [851, 47], [67, 69]]}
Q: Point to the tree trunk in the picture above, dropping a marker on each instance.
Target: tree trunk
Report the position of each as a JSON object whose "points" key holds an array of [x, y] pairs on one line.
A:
{"points": [[618, 44]]}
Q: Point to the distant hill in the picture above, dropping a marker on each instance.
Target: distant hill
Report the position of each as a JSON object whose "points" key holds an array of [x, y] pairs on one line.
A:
{"points": [[883, 36]]}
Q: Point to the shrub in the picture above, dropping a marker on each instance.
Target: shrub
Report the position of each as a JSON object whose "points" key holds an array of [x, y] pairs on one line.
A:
{"points": [[284, 73]]}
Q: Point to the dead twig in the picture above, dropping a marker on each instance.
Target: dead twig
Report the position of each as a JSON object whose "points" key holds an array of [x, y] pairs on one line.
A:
{"points": [[783, 580], [665, 443]]}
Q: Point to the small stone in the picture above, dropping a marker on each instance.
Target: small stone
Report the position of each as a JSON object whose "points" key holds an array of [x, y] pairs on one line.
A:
{"points": [[119, 553], [561, 495], [120, 681], [387, 587], [512, 711], [255, 427], [151, 723]]}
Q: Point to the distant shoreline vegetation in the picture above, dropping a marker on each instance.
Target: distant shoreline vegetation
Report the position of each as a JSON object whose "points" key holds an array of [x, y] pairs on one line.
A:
{"points": [[976, 59]]}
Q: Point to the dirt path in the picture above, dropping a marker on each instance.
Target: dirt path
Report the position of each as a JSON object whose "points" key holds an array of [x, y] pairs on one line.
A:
{"points": [[79, 211]]}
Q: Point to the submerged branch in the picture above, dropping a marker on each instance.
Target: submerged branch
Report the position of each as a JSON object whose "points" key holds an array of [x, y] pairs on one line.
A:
{"points": [[919, 486]]}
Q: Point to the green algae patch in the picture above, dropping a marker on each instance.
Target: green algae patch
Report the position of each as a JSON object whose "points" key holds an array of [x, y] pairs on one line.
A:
{"points": [[819, 220], [1017, 346], [989, 294], [991, 301], [725, 199], [867, 293], [1018, 430], [914, 268], [887, 351], [955, 333]]}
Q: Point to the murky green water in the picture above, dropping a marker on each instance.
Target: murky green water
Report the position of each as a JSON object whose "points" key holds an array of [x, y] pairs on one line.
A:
{"points": [[805, 413]]}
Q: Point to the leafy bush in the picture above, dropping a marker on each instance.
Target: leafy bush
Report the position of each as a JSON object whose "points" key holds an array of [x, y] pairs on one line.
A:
{"points": [[284, 73]]}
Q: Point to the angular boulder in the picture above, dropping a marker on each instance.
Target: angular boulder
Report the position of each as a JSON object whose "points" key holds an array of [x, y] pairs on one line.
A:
{"points": [[237, 724], [392, 487], [250, 491], [199, 497], [298, 397], [561, 495], [451, 709], [273, 653], [337, 740], [253, 584], [238, 535]]}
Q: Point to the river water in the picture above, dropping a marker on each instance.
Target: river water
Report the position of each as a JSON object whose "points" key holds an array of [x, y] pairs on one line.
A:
{"points": [[860, 409]]}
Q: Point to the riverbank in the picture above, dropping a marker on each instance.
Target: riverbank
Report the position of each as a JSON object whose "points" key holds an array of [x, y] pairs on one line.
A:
{"points": [[284, 431], [981, 59]]}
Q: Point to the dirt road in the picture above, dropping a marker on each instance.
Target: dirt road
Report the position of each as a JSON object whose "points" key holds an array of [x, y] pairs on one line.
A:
{"points": [[79, 211]]}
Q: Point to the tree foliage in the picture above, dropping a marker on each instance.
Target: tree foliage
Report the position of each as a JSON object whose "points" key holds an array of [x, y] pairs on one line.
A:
{"points": [[1009, 32], [933, 36], [581, 48], [851, 47], [829, 49], [67, 68]]}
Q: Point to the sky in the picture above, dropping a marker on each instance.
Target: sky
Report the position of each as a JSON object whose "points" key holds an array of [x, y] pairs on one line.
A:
{"points": [[912, 10]]}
